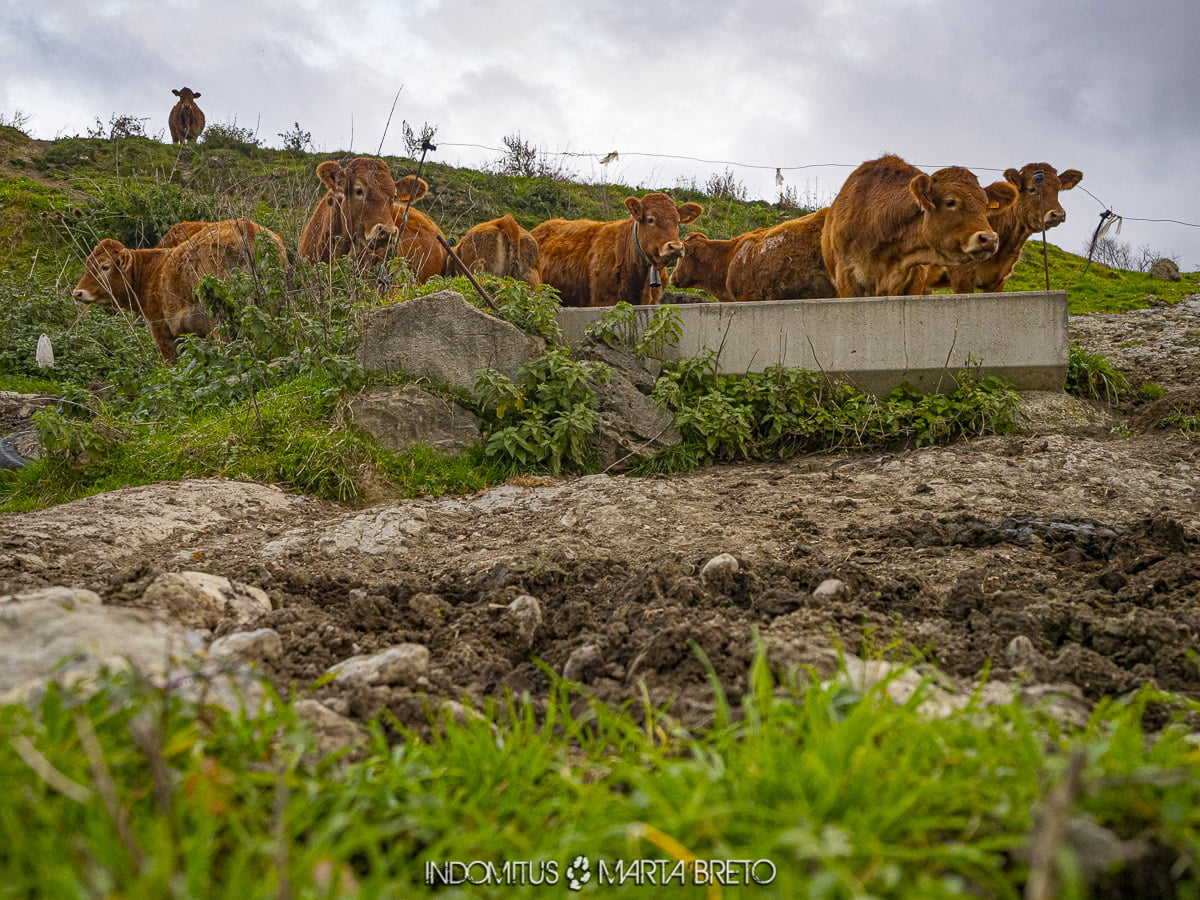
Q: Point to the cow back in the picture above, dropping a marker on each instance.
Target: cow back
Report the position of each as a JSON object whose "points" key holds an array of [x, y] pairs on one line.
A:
{"points": [[501, 247]]}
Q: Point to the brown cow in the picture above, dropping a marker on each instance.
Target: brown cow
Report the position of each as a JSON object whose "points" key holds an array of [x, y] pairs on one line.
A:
{"points": [[355, 215], [890, 221], [159, 284], [604, 263], [1037, 207], [181, 232], [186, 121], [501, 247], [418, 234], [782, 262]]}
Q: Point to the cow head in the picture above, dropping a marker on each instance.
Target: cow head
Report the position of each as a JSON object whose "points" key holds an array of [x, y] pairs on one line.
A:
{"points": [[360, 195], [1037, 204], [954, 213], [688, 272], [658, 220], [108, 277], [186, 95]]}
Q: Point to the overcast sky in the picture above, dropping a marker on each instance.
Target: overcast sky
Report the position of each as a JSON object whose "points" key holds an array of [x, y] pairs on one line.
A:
{"points": [[813, 88]]}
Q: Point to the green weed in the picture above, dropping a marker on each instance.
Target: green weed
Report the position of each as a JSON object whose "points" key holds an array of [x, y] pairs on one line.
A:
{"points": [[1094, 377]]}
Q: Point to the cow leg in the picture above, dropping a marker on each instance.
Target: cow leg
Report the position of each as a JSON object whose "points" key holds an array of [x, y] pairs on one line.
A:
{"points": [[164, 340]]}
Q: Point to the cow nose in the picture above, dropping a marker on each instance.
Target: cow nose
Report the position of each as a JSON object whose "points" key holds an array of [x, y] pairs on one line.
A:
{"points": [[1055, 217], [80, 295], [672, 249]]}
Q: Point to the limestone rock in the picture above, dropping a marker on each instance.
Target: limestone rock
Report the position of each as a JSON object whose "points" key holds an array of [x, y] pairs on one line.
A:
{"points": [[444, 338], [1166, 269], [401, 417], [202, 600], [261, 645], [401, 665]]}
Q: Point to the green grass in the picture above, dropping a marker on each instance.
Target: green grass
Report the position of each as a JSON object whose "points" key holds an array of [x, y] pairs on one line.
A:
{"points": [[134, 793], [1099, 289]]}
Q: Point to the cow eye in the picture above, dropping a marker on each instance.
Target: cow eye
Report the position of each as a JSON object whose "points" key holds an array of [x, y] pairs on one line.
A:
{"points": [[358, 192], [649, 220], [951, 203], [104, 267]]}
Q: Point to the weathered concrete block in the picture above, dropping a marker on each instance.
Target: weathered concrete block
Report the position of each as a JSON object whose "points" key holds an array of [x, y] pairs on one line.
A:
{"points": [[878, 342]]}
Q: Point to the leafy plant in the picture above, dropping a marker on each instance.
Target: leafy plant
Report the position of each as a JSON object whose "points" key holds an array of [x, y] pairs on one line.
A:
{"points": [[541, 420], [230, 136], [619, 326], [297, 140], [783, 411]]}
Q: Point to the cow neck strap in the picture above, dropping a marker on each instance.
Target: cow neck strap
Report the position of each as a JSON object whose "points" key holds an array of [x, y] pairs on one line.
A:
{"points": [[655, 281]]}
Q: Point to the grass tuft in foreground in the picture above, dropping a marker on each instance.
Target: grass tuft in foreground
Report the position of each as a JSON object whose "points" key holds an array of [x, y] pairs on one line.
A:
{"points": [[136, 793]]}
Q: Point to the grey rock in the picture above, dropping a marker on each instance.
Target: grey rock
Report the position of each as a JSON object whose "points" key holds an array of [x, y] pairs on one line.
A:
{"points": [[524, 617], [261, 645], [583, 664], [720, 566], [444, 338], [202, 600], [629, 425], [831, 588], [43, 641], [401, 417], [403, 664], [1166, 269], [332, 731], [67, 598]]}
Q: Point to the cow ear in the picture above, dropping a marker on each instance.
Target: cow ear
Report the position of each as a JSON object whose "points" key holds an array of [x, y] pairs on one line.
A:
{"points": [[175, 92], [1068, 179], [195, 93], [1001, 195], [410, 188], [920, 188], [634, 205], [124, 259], [993, 204], [696, 237], [328, 172], [1013, 176], [690, 212]]}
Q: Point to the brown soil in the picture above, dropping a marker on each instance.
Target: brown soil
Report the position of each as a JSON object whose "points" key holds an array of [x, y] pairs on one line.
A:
{"points": [[1081, 540]]}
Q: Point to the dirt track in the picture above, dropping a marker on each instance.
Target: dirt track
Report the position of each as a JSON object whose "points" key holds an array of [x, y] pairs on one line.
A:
{"points": [[1079, 540]]}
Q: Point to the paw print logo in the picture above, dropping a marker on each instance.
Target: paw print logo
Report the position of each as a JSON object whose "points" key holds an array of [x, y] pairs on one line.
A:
{"points": [[578, 873]]}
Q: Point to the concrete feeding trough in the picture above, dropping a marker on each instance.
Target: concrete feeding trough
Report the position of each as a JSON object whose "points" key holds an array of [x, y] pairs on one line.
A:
{"points": [[878, 342]]}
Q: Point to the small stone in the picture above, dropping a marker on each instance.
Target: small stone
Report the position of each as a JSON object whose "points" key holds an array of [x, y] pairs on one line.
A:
{"points": [[333, 732], [583, 664], [261, 645], [403, 664], [721, 565], [1022, 655], [525, 616], [830, 589]]}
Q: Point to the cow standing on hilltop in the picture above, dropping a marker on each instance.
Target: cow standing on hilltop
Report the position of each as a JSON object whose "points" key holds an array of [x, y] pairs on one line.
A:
{"points": [[159, 283], [782, 262], [186, 120], [890, 222], [1037, 208], [604, 263]]}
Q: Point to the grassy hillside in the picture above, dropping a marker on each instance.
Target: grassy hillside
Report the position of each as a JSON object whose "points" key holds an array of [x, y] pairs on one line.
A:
{"points": [[270, 404]]}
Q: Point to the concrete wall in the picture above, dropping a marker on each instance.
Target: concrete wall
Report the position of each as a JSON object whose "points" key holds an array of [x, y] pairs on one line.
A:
{"points": [[879, 342]]}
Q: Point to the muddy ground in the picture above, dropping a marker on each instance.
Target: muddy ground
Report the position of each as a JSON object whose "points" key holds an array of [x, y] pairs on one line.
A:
{"points": [[1079, 534]]}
